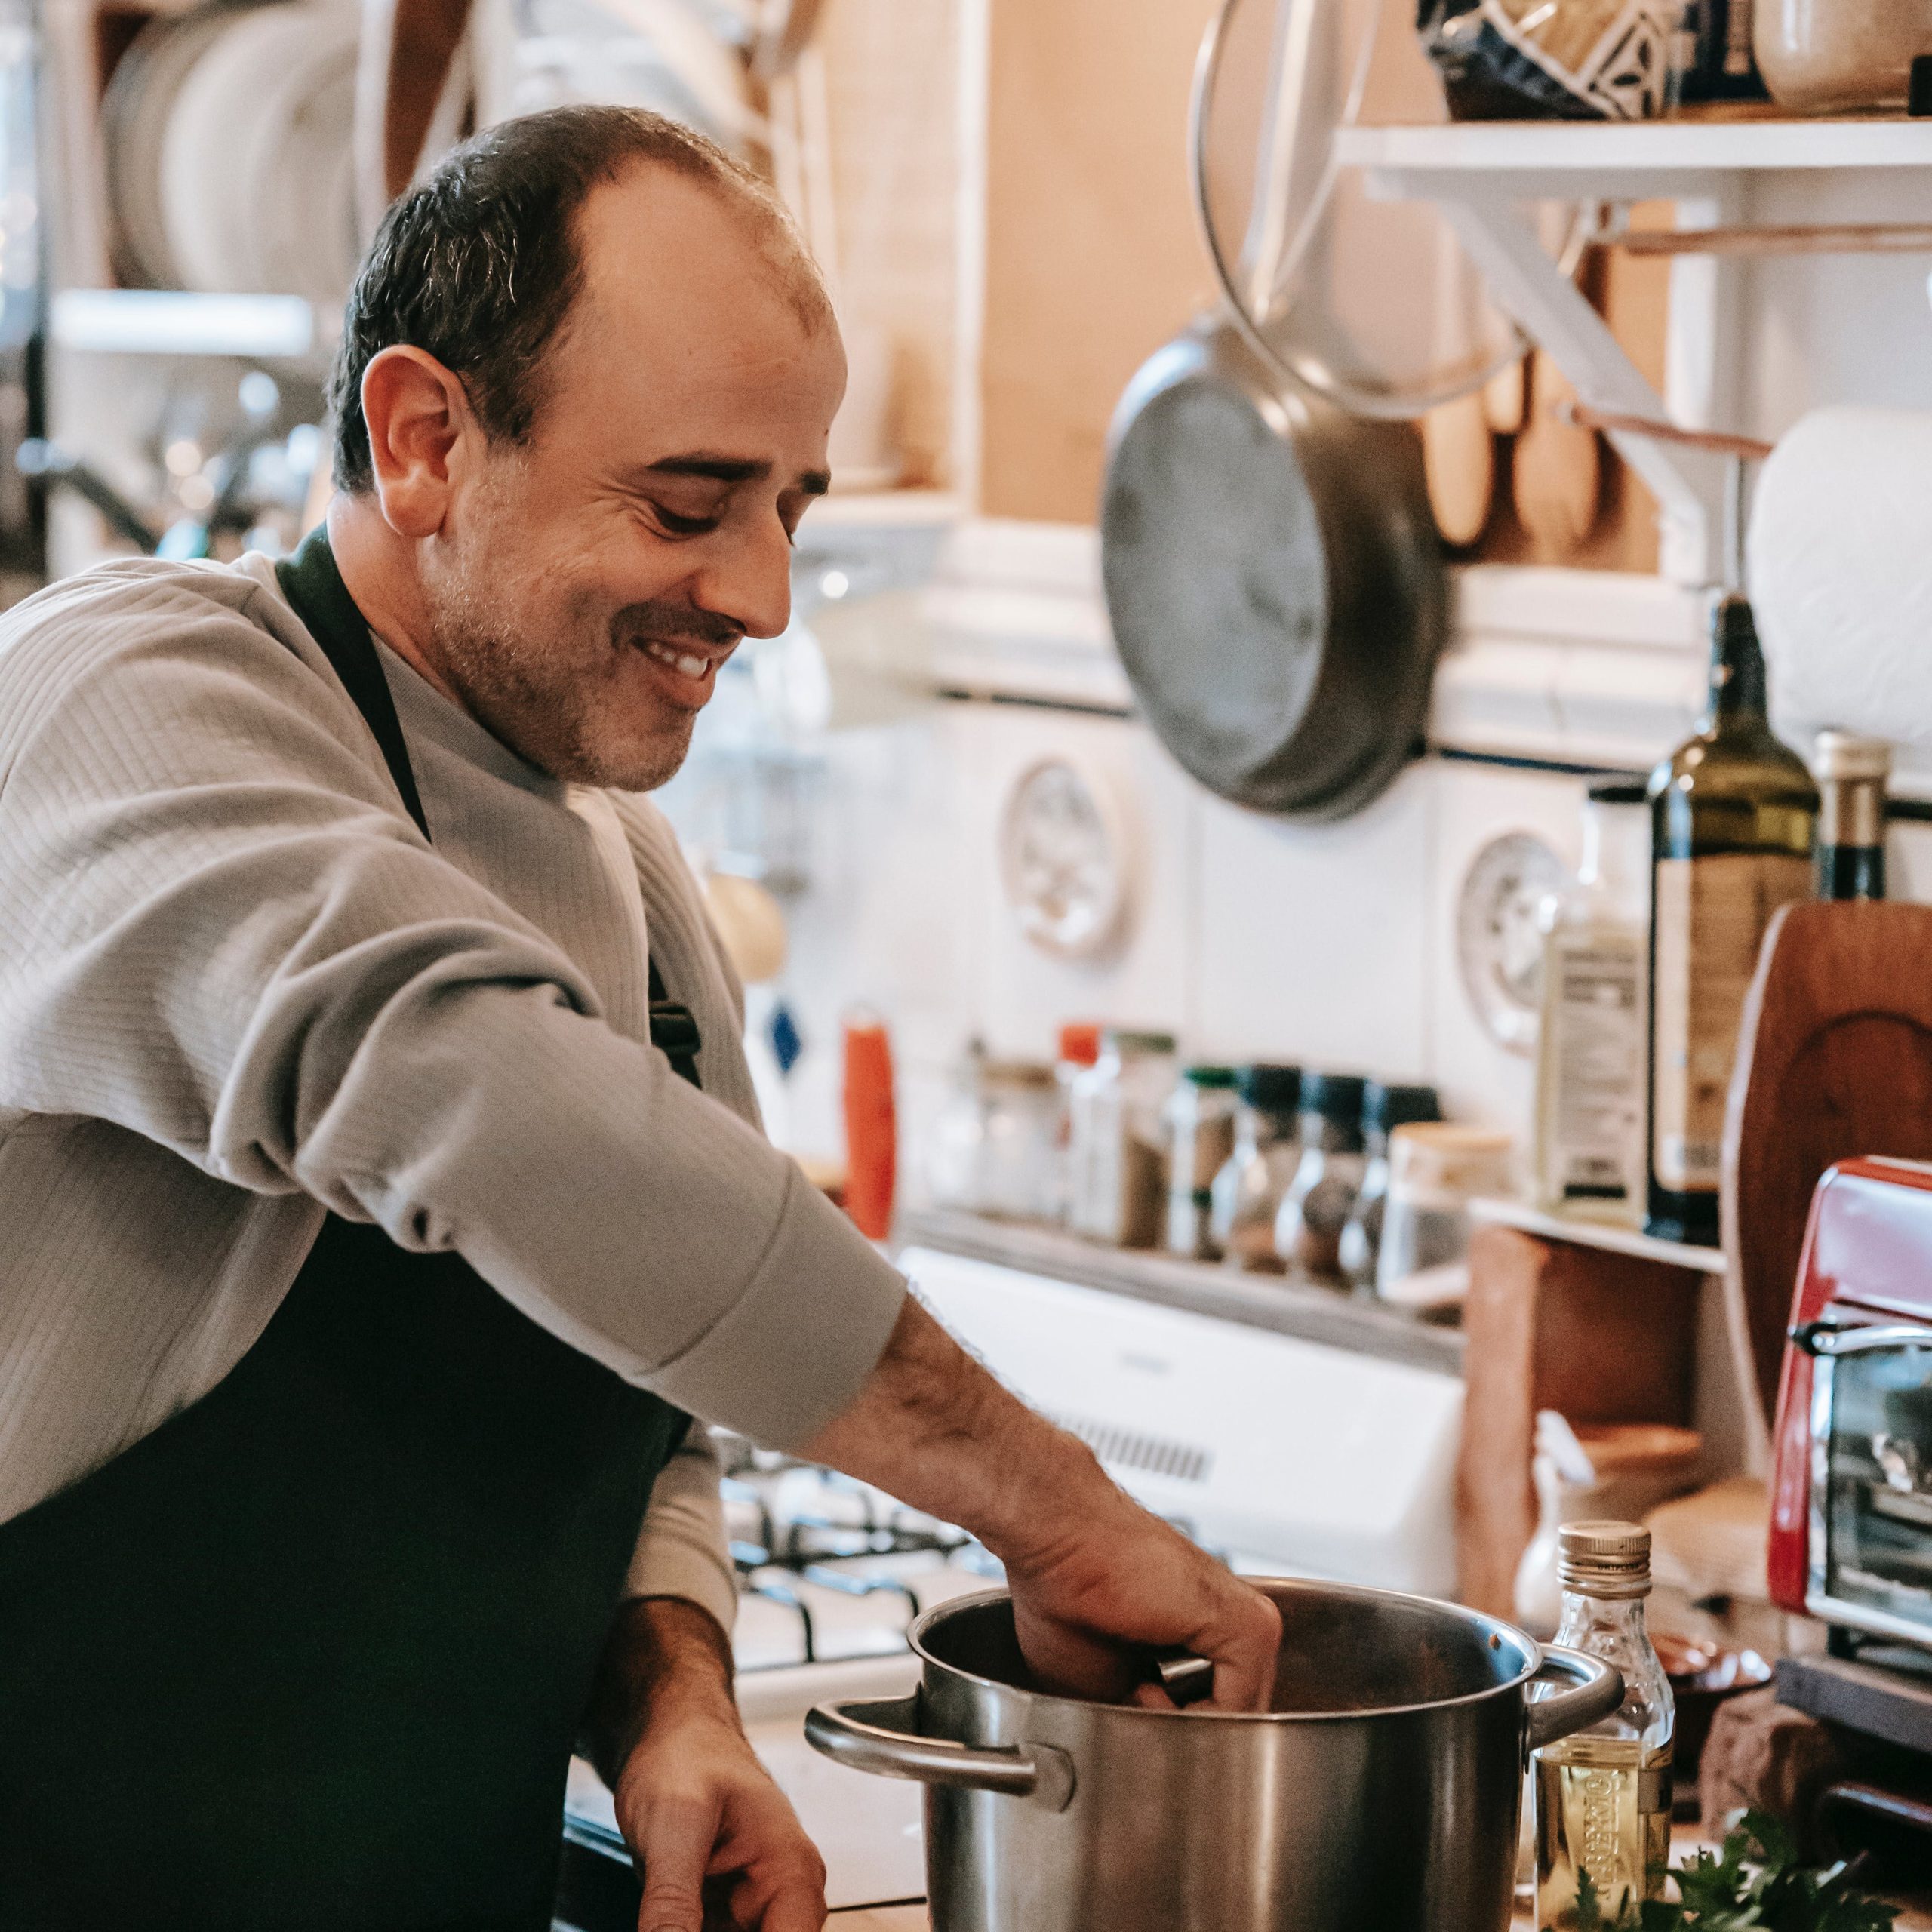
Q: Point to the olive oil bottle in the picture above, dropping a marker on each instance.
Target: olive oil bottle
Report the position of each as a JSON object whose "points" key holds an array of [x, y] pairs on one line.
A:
{"points": [[1732, 814], [1602, 1798]]}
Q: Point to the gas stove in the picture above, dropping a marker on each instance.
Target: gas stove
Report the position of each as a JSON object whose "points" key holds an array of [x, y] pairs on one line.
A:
{"points": [[831, 1574], [831, 1569]]}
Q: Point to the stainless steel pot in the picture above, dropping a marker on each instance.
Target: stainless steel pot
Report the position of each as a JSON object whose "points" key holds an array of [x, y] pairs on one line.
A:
{"points": [[1378, 1793]]}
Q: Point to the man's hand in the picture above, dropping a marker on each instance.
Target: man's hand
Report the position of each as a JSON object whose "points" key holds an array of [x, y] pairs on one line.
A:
{"points": [[1097, 1582], [719, 1848]]}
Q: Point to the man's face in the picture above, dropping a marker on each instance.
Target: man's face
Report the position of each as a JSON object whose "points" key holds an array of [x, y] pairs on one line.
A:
{"points": [[587, 585]]}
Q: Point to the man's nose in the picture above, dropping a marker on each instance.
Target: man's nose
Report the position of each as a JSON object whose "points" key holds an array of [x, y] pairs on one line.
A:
{"points": [[748, 580]]}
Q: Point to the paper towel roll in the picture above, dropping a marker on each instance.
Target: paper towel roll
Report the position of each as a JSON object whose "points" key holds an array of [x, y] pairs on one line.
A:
{"points": [[1840, 559]]}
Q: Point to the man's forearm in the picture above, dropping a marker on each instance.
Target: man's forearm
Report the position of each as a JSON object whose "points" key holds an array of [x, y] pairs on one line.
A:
{"points": [[661, 1650], [935, 1428]]}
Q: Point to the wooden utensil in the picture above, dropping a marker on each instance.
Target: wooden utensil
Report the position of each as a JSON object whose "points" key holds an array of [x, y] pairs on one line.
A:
{"points": [[1459, 460], [1558, 472], [1505, 396], [1459, 453], [1834, 1059]]}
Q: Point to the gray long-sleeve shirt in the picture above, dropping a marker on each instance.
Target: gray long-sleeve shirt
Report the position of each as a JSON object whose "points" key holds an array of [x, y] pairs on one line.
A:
{"points": [[238, 987]]}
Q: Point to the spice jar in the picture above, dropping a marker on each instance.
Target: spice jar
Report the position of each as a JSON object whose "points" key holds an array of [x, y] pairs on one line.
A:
{"points": [[1435, 1169], [1248, 1191], [992, 1145], [1308, 1229], [1200, 1138], [1825, 56], [1384, 1108], [1118, 1157]]}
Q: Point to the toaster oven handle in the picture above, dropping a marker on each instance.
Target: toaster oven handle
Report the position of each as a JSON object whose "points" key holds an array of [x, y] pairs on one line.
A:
{"points": [[1825, 1338]]}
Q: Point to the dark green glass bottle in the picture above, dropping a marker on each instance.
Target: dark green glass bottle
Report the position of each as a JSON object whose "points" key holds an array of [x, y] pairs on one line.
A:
{"points": [[1732, 816]]}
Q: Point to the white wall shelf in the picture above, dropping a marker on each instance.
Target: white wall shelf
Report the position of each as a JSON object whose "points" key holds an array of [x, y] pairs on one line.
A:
{"points": [[1481, 173], [145, 322], [1604, 1234], [1635, 158]]}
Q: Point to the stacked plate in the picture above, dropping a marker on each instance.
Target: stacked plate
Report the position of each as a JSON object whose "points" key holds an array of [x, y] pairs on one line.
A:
{"points": [[229, 135]]}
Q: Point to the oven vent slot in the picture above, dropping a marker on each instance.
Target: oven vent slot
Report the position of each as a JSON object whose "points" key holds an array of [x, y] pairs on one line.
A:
{"points": [[1128, 1449]]}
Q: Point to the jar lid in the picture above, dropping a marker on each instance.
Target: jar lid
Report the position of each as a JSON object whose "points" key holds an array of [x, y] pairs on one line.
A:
{"points": [[1208, 1076], [1335, 1097], [1604, 1558], [1079, 1043], [1017, 1073], [1270, 1088], [1386, 1106], [1130, 1040]]}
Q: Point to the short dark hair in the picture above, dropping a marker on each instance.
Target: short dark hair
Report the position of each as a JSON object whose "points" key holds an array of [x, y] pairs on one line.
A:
{"points": [[478, 266]]}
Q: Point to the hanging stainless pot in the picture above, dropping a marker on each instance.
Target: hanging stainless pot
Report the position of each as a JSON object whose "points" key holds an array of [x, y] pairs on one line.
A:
{"points": [[1274, 578], [1379, 1793]]}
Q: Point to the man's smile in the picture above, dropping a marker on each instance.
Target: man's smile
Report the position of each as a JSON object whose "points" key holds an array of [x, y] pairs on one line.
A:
{"points": [[686, 669]]}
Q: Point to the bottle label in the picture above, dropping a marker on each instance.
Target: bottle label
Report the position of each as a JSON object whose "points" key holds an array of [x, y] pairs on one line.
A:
{"points": [[1711, 914], [1595, 1009]]}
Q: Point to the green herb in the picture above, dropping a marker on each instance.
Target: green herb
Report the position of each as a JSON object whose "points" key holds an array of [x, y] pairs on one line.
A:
{"points": [[1754, 1884]]}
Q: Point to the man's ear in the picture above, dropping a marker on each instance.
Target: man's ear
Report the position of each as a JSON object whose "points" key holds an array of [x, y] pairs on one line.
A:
{"points": [[420, 427]]}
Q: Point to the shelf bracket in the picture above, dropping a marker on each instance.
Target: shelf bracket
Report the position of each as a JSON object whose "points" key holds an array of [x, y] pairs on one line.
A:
{"points": [[1490, 220]]}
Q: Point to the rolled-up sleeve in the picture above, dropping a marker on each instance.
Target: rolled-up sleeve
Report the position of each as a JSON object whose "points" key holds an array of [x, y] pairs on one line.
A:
{"points": [[682, 1551], [218, 929]]}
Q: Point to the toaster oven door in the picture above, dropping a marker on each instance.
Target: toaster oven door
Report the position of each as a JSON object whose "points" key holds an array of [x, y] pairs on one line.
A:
{"points": [[1871, 1532]]}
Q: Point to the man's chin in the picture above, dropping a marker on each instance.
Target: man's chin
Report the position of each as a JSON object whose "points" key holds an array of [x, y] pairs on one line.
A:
{"points": [[635, 764]]}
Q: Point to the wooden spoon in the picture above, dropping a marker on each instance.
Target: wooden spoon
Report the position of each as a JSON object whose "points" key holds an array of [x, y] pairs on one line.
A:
{"points": [[1459, 459], [1504, 395], [1558, 472]]}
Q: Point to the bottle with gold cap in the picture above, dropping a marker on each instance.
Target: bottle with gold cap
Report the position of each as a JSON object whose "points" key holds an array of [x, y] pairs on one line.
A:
{"points": [[1603, 1795], [1851, 774]]}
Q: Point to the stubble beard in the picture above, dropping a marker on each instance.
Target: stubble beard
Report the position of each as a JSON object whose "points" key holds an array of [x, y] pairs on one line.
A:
{"points": [[541, 694]]}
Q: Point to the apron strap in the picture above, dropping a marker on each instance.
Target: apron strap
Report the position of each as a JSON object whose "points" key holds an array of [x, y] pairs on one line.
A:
{"points": [[314, 589]]}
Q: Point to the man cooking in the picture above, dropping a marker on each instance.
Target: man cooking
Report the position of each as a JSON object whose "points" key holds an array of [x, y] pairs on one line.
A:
{"points": [[381, 1182]]}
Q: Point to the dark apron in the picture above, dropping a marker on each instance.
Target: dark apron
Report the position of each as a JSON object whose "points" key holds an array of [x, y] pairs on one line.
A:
{"points": [[313, 1654]]}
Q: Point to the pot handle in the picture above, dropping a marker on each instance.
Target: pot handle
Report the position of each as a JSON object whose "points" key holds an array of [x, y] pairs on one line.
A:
{"points": [[881, 1737], [1599, 1690]]}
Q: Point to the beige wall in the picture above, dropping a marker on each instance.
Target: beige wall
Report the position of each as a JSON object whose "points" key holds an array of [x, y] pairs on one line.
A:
{"points": [[1092, 261]]}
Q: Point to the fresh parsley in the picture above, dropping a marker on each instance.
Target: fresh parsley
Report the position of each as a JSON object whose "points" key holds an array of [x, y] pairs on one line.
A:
{"points": [[1754, 1884]]}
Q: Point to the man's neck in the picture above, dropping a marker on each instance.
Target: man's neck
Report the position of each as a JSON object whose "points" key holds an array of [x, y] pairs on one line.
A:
{"points": [[378, 570]]}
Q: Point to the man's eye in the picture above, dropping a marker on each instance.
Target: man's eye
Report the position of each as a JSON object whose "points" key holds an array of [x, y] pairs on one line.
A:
{"points": [[684, 526]]}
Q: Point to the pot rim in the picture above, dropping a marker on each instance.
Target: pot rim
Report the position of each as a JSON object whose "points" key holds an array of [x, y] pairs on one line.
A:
{"points": [[1493, 1626]]}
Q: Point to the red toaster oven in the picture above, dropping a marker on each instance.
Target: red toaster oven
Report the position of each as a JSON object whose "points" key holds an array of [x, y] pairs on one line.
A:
{"points": [[1851, 1498]]}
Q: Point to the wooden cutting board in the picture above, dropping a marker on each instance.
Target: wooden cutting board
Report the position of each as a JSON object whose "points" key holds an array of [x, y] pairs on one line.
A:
{"points": [[1834, 1061]]}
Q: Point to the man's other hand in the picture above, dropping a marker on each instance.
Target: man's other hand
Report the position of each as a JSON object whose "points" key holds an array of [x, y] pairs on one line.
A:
{"points": [[719, 1848]]}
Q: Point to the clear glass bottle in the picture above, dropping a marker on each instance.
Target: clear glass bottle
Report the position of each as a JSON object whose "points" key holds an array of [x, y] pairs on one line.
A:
{"points": [[1119, 1156], [991, 1149], [1384, 1108], [1852, 773], [1603, 1796], [1731, 815], [1078, 1047], [1201, 1139], [1335, 1158], [1248, 1191], [1588, 1155]]}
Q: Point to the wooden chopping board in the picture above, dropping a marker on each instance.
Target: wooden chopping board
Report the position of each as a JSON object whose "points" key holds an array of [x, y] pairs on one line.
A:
{"points": [[1835, 1060]]}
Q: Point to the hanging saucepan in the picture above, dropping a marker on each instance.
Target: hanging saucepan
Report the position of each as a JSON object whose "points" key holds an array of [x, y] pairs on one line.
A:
{"points": [[1274, 578]]}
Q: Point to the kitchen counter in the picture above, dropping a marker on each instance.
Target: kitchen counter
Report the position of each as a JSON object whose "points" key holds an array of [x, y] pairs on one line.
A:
{"points": [[1306, 1309]]}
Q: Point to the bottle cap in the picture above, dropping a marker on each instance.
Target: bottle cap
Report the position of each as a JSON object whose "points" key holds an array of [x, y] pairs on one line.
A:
{"points": [[1132, 1040], [1627, 789], [1844, 754], [1604, 1558], [1079, 1043], [1208, 1076], [1336, 1097], [1389, 1106], [1268, 1088]]}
